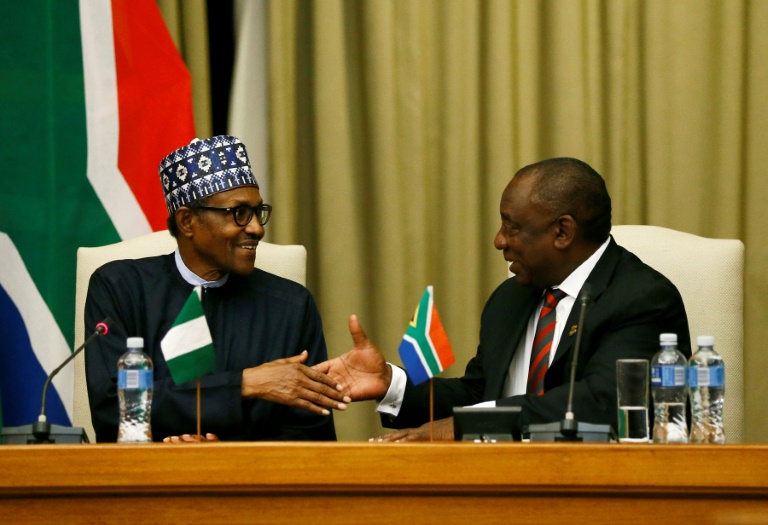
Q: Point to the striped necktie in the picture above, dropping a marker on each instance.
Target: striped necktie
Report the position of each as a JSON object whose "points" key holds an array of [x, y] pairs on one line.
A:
{"points": [[542, 342]]}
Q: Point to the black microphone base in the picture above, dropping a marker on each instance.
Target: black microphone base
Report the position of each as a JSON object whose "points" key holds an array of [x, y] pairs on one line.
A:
{"points": [[585, 432], [25, 435]]}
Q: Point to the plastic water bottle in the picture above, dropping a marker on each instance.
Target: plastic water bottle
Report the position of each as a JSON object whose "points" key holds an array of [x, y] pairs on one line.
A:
{"points": [[668, 370], [134, 390], [706, 384]]}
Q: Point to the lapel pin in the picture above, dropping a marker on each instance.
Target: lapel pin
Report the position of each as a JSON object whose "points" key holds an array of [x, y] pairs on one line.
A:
{"points": [[573, 329]]}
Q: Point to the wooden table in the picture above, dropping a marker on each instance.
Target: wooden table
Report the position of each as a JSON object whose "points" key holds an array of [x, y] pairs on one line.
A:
{"points": [[346, 483]]}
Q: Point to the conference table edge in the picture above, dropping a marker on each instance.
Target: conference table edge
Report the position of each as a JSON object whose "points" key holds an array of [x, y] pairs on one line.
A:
{"points": [[400, 468]]}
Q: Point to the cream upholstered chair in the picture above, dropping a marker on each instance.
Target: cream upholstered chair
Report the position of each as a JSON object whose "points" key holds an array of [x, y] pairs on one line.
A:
{"points": [[289, 261], [710, 276]]}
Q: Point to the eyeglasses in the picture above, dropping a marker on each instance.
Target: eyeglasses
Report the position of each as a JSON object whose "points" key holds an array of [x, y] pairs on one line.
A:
{"points": [[244, 213]]}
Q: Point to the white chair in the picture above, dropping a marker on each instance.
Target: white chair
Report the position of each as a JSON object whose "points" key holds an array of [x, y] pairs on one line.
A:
{"points": [[710, 276], [289, 261]]}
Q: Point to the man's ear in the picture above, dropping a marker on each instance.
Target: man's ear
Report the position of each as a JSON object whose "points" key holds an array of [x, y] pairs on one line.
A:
{"points": [[565, 231], [185, 221]]}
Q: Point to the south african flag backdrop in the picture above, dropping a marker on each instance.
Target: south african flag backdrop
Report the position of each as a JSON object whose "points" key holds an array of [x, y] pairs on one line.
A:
{"points": [[93, 94]]}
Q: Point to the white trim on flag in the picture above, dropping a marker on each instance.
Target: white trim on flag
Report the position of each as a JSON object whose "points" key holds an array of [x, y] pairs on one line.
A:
{"points": [[428, 328], [102, 125], [186, 337], [47, 340], [419, 354]]}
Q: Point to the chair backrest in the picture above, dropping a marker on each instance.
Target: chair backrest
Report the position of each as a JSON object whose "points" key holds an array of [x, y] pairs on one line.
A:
{"points": [[289, 261], [710, 276]]}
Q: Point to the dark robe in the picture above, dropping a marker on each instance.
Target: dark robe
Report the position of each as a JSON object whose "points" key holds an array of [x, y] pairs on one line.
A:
{"points": [[253, 320]]}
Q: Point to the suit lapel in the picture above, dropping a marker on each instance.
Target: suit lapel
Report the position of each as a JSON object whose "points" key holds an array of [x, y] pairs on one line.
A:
{"points": [[599, 279], [522, 305]]}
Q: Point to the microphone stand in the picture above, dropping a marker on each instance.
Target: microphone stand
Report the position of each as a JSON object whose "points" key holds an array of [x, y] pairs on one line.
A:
{"points": [[41, 429], [569, 427]]}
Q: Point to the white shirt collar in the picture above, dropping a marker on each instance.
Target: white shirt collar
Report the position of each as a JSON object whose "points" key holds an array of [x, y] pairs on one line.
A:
{"points": [[573, 283], [194, 279]]}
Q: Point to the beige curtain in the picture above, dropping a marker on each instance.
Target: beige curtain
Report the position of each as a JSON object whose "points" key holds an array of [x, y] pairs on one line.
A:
{"points": [[395, 126]]}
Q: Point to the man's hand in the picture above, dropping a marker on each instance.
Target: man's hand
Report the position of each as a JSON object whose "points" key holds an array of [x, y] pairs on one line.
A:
{"points": [[363, 369], [191, 438], [289, 382], [442, 431]]}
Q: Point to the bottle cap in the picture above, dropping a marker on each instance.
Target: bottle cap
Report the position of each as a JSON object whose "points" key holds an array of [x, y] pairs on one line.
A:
{"points": [[705, 340], [135, 342], [668, 339]]}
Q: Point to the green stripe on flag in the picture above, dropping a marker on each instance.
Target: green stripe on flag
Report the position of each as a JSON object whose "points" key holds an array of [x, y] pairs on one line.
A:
{"points": [[49, 207], [420, 333], [187, 347], [192, 309], [192, 364]]}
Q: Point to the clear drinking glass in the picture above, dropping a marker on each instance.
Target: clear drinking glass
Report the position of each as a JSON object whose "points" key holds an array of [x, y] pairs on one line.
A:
{"points": [[632, 384]]}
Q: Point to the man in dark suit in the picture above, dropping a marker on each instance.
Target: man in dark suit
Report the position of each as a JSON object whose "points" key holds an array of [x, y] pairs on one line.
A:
{"points": [[555, 232]]}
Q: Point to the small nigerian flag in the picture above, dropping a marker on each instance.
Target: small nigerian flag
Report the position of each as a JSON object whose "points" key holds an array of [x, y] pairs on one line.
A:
{"points": [[188, 347], [425, 350]]}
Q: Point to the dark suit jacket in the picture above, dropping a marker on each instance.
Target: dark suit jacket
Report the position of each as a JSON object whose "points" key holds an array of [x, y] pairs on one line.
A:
{"points": [[631, 305]]}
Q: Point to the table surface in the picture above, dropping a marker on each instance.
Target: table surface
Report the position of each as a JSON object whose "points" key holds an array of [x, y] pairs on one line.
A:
{"points": [[372, 482], [386, 466]]}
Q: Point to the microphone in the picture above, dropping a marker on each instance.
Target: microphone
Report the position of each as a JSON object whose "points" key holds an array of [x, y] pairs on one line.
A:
{"points": [[41, 429], [569, 429]]}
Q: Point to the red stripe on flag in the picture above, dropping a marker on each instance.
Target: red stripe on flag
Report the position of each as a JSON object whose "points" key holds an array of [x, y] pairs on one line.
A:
{"points": [[155, 101], [440, 340]]}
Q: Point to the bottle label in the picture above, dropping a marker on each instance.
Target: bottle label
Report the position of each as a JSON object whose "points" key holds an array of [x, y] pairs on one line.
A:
{"points": [[693, 376], [134, 379], [668, 376], [701, 376]]}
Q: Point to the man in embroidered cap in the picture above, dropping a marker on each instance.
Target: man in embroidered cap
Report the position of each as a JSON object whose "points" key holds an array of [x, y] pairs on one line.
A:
{"points": [[266, 330]]}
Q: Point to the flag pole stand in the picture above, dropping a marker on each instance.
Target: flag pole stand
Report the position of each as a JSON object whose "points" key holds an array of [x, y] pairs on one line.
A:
{"points": [[199, 436], [431, 408]]}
